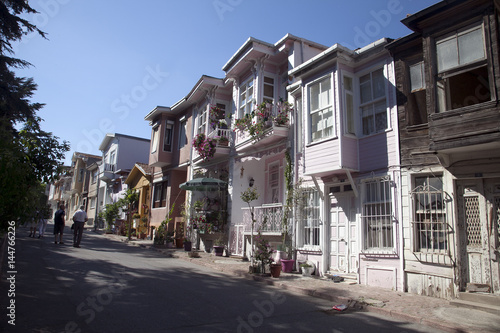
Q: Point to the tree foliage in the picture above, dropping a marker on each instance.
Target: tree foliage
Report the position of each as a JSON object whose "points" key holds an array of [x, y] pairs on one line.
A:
{"points": [[29, 156]]}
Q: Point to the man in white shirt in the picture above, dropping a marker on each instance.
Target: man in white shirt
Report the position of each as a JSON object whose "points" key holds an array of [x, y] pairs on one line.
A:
{"points": [[79, 218]]}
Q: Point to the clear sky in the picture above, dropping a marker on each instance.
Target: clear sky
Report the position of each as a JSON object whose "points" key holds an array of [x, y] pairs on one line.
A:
{"points": [[106, 63]]}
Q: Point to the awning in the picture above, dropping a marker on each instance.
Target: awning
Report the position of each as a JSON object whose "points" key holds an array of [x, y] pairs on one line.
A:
{"points": [[203, 184]]}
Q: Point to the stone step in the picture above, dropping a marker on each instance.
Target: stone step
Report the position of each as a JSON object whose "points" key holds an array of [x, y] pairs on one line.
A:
{"points": [[476, 306], [482, 298]]}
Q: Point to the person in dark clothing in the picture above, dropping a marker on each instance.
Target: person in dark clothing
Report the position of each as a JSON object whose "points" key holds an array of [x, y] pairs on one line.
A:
{"points": [[59, 220]]}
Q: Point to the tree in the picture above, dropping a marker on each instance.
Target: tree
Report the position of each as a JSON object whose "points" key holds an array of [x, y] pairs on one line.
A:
{"points": [[29, 156], [249, 195]]}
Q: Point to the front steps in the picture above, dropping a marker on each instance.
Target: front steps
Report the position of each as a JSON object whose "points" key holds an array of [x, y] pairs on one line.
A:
{"points": [[478, 301]]}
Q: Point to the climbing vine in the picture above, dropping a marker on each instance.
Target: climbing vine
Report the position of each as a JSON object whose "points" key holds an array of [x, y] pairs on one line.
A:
{"points": [[289, 195]]}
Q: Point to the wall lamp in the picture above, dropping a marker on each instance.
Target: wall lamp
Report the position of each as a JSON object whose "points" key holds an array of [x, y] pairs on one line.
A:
{"points": [[250, 182]]}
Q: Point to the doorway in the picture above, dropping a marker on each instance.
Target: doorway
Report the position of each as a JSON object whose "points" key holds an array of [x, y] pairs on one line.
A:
{"points": [[478, 222], [343, 234]]}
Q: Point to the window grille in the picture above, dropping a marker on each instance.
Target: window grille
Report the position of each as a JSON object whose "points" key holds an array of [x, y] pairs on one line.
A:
{"points": [[309, 213], [377, 215], [429, 221]]}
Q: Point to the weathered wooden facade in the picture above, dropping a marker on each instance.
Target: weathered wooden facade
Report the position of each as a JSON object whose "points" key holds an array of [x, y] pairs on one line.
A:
{"points": [[447, 78]]}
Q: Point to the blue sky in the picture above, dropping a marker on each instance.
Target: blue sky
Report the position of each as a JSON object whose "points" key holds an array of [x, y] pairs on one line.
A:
{"points": [[106, 64]]}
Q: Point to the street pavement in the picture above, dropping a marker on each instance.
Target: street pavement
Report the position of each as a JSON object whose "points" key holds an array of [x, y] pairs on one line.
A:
{"points": [[429, 311], [437, 314]]}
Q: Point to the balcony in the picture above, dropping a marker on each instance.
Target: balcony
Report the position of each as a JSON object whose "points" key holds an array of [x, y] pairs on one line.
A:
{"points": [[107, 172], [268, 217], [223, 138], [271, 133]]}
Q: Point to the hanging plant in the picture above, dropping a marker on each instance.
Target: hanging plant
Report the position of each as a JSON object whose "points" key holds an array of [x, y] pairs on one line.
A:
{"points": [[205, 146]]}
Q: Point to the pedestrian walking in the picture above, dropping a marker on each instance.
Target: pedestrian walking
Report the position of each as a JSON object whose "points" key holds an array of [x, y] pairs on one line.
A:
{"points": [[79, 219], [34, 224], [59, 221], [42, 224]]}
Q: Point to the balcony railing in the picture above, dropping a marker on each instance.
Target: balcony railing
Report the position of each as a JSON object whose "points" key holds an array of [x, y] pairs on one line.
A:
{"points": [[220, 133], [107, 171], [269, 218]]}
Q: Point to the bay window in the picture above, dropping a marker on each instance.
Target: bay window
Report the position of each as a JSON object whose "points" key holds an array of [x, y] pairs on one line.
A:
{"points": [[246, 98], [321, 110], [373, 102]]}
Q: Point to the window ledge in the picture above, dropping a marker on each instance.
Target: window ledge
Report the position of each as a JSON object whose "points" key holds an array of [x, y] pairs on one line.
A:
{"points": [[439, 258], [380, 252], [310, 250], [310, 144]]}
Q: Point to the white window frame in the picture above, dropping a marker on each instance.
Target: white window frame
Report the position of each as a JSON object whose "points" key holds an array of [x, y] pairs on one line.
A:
{"points": [[202, 119], [274, 169], [265, 97], [168, 136], [182, 132], [347, 121], [374, 102], [378, 214], [247, 104], [311, 218], [321, 108], [154, 138]]}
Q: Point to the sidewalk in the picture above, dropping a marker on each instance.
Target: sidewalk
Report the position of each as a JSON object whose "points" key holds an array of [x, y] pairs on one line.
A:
{"points": [[429, 311]]}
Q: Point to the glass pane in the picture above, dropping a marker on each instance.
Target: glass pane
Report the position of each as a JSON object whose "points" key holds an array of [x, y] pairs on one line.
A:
{"points": [[314, 97], [447, 54], [268, 80], [365, 89], [349, 113], [471, 46], [328, 123], [378, 81], [347, 83], [325, 93], [417, 76], [380, 116], [316, 126], [268, 91]]}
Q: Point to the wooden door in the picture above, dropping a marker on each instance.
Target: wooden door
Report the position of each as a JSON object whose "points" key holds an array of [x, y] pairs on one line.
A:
{"points": [[343, 234], [478, 208]]}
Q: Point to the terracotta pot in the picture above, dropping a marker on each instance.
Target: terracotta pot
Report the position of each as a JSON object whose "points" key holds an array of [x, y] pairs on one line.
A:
{"points": [[275, 270], [178, 243]]}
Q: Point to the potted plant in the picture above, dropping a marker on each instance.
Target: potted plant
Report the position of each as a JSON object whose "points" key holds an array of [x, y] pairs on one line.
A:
{"points": [[223, 141], [307, 269], [169, 239], [219, 246], [187, 244], [283, 110], [287, 265], [198, 205], [263, 252], [204, 146], [222, 123], [275, 270]]}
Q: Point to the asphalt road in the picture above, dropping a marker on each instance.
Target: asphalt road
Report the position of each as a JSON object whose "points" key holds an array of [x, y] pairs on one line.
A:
{"points": [[109, 286]]}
